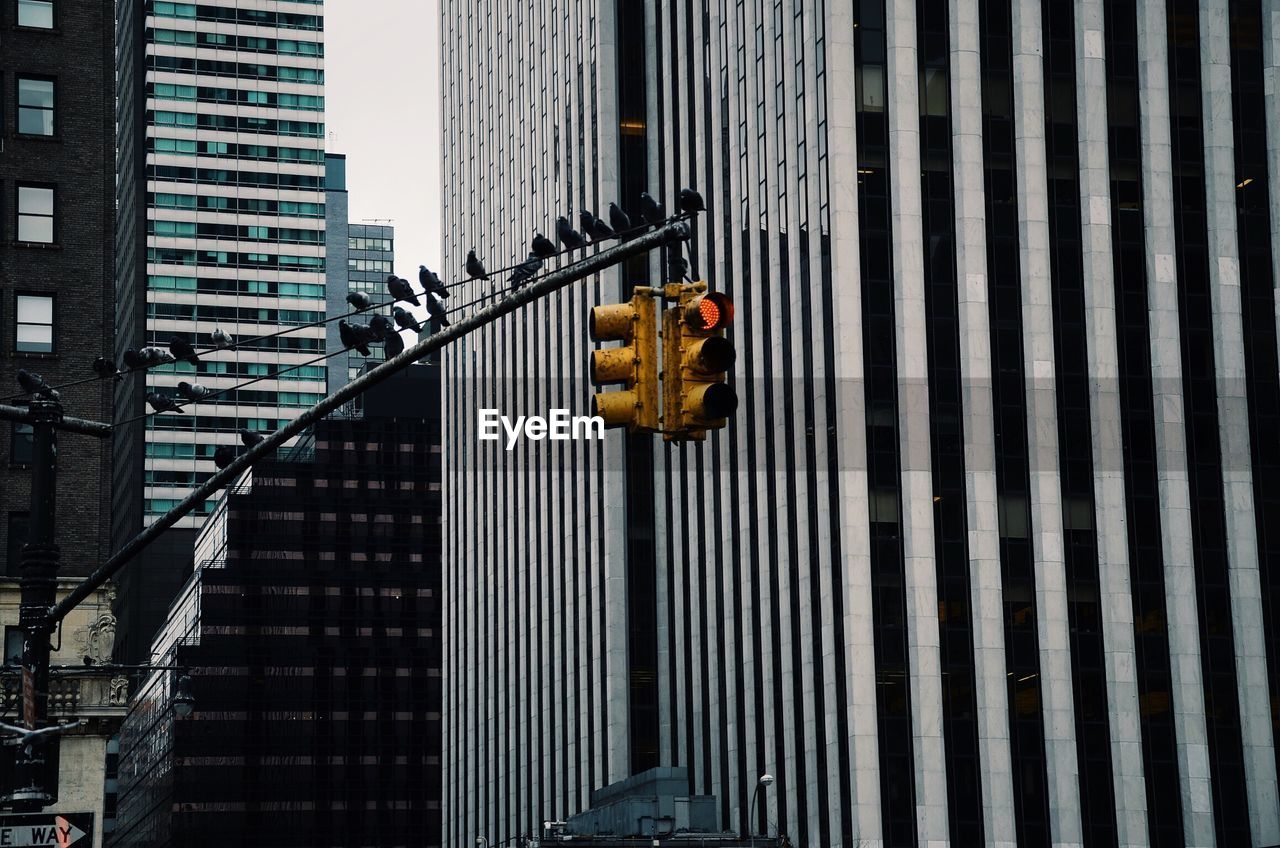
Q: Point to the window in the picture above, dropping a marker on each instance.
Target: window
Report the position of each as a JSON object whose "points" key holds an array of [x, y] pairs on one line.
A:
{"points": [[35, 324], [35, 214], [35, 106], [13, 645], [35, 13], [18, 522], [22, 447]]}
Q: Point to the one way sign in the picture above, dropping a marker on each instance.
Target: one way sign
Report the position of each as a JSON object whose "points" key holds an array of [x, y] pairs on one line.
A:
{"points": [[54, 830]]}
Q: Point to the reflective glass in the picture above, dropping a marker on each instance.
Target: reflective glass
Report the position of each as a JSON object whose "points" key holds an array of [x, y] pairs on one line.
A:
{"points": [[35, 214], [35, 13], [35, 106]]}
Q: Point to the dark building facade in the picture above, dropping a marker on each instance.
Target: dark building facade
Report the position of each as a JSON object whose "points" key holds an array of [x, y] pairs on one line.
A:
{"points": [[988, 555], [57, 188], [311, 629]]}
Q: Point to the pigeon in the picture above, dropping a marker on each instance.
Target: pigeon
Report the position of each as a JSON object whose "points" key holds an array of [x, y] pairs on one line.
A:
{"points": [[189, 391], [222, 341], [594, 227], [525, 271], [162, 403], [475, 268], [431, 281], [132, 360], [380, 326], [251, 438], [401, 290], [360, 300], [106, 369], [543, 246], [568, 236], [405, 319], [224, 455], [650, 209], [355, 336], [691, 201], [393, 344], [27, 738], [620, 220], [154, 356], [182, 349], [34, 384], [436, 307]]}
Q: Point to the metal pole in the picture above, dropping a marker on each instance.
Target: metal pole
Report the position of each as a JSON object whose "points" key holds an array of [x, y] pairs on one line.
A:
{"points": [[71, 425], [39, 586], [674, 231]]}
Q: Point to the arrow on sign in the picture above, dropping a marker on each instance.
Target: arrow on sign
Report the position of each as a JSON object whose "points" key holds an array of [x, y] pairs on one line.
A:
{"points": [[60, 833]]}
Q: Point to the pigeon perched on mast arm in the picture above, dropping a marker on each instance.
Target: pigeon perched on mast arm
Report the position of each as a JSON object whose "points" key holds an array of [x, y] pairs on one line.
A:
{"points": [[542, 246], [33, 384], [525, 271], [401, 290], [475, 268], [650, 209], [691, 201], [594, 227], [569, 237], [435, 306], [224, 455], [393, 344], [250, 438], [620, 220]]}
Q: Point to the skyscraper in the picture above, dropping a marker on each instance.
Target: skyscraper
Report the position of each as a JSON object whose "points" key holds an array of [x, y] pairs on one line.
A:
{"points": [[311, 633], [986, 555], [221, 226]]}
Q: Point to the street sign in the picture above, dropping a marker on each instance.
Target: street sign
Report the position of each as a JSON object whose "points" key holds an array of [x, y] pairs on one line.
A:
{"points": [[29, 697], [47, 830]]}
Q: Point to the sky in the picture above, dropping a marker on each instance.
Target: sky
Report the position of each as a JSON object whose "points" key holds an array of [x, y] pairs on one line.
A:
{"points": [[382, 107]]}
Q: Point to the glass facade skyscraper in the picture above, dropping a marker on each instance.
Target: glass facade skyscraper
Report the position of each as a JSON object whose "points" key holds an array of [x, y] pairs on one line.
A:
{"points": [[221, 226], [985, 555]]}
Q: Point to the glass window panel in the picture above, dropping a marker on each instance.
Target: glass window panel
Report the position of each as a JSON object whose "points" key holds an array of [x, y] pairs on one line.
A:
{"points": [[34, 333], [35, 13], [35, 214], [21, 444], [35, 106]]}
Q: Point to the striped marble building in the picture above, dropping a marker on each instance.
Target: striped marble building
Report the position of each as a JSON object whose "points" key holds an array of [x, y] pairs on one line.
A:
{"points": [[990, 554]]}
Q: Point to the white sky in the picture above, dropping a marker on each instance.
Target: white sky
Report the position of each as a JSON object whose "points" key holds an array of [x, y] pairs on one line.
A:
{"points": [[382, 107]]}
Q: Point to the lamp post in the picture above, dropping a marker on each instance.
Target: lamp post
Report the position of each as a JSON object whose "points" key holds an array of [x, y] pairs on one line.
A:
{"points": [[480, 840], [765, 780]]}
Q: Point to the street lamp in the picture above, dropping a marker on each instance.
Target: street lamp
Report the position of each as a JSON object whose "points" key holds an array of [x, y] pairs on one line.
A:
{"points": [[480, 840], [765, 780], [183, 701]]}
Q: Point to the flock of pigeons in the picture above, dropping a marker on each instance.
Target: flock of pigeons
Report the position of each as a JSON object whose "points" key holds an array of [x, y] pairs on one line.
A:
{"points": [[358, 336]]}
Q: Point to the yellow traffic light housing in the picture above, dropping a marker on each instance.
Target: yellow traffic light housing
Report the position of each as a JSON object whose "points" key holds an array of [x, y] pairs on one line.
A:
{"points": [[696, 359], [634, 364]]}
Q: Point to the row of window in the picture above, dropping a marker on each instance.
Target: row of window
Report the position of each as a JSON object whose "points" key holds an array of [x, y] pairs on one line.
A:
{"points": [[248, 97], [229, 259], [250, 205], [258, 17], [234, 123], [228, 176], [226, 149], [191, 229], [363, 243], [166, 282], [256, 44], [207, 312], [379, 265]]}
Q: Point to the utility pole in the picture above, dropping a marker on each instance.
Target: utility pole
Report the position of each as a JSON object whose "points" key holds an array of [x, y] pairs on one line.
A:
{"points": [[40, 555], [42, 612]]}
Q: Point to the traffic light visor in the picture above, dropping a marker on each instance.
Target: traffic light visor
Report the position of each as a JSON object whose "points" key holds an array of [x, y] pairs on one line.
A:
{"points": [[711, 311]]}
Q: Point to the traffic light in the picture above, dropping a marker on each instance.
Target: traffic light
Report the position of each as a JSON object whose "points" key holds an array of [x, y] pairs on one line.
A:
{"points": [[634, 364], [696, 359]]}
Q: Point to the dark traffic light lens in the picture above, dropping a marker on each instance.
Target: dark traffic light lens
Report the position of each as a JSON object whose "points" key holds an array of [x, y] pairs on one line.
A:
{"points": [[713, 355], [719, 401]]}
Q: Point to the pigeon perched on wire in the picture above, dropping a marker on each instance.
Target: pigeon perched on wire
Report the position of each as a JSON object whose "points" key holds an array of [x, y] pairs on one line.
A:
{"points": [[182, 349], [250, 438], [525, 271], [569, 237], [475, 268], [435, 306], [221, 340], [224, 455], [193, 391], [132, 360], [33, 384], [405, 319], [401, 290], [380, 326], [355, 336], [360, 300], [542, 246], [162, 403], [106, 369], [691, 201], [155, 356], [393, 344], [650, 209], [431, 282], [594, 227], [620, 220]]}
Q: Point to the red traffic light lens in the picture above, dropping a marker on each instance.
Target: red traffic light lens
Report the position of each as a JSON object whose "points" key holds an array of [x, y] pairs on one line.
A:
{"points": [[711, 311]]}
